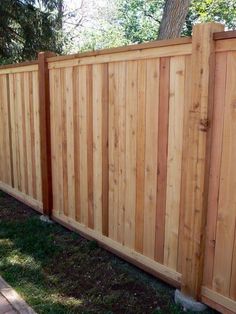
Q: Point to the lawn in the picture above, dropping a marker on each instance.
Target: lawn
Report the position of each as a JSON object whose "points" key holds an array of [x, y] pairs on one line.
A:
{"points": [[58, 271]]}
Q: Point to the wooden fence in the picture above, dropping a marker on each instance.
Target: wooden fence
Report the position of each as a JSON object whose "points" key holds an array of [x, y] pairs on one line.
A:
{"points": [[134, 147]]}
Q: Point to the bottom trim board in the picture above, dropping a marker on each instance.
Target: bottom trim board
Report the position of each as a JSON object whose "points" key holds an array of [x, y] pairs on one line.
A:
{"points": [[158, 270], [26, 199], [218, 301]]}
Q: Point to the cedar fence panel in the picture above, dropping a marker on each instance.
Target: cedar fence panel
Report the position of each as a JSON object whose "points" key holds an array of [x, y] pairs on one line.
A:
{"points": [[20, 155]]}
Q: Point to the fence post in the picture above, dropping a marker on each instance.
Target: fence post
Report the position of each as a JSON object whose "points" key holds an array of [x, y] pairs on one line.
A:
{"points": [[45, 136], [194, 203]]}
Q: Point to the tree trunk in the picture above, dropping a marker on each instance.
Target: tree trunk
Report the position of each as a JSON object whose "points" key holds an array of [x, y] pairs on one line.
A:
{"points": [[175, 12]]}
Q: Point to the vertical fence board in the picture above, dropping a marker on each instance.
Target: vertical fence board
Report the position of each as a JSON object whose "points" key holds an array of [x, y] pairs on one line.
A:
{"points": [[113, 154], [131, 138], [151, 145], [97, 145], [83, 143], [121, 141], [214, 181], [140, 176], [226, 216], [76, 142], [33, 141], [89, 91], [37, 136], [163, 122], [28, 134], [105, 156], [69, 102], [174, 163]]}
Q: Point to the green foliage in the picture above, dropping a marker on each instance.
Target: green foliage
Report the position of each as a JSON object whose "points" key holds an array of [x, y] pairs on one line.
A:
{"points": [[222, 11], [140, 19], [27, 27], [105, 37]]}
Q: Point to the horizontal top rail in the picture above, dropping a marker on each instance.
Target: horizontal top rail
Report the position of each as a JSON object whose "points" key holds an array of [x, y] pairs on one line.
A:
{"points": [[17, 65], [152, 44], [224, 35]]}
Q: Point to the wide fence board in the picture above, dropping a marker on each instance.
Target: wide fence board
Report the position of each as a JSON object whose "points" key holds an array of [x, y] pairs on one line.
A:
{"points": [[127, 136]]}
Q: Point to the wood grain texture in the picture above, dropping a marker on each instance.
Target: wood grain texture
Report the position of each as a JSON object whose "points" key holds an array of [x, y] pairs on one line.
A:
{"points": [[131, 146], [142, 153], [163, 121], [174, 161], [141, 139], [196, 173], [216, 153], [151, 151], [226, 216]]}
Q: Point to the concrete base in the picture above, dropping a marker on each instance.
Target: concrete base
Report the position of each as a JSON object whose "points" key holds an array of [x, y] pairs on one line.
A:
{"points": [[46, 219], [188, 303]]}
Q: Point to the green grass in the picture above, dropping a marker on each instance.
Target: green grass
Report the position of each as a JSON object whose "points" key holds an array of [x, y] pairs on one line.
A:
{"points": [[57, 271]]}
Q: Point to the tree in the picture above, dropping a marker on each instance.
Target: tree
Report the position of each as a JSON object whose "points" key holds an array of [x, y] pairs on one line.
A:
{"points": [[222, 11], [145, 20], [140, 19], [173, 19], [27, 27]]}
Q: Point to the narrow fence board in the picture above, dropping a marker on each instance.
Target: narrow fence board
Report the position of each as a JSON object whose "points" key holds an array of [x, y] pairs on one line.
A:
{"points": [[97, 145], [141, 135], [69, 102], [89, 92], [54, 155], [18, 120], [24, 139], [174, 162], [77, 148], [187, 108], [57, 137], [13, 130], [37, 135], [32, 142], [28, 134], [64, 142], [151, 151], [131, 138], [111, 145], [5, 136], [105, 156], [114, 89], [121, 141], [163, 117], [83, 143]]}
